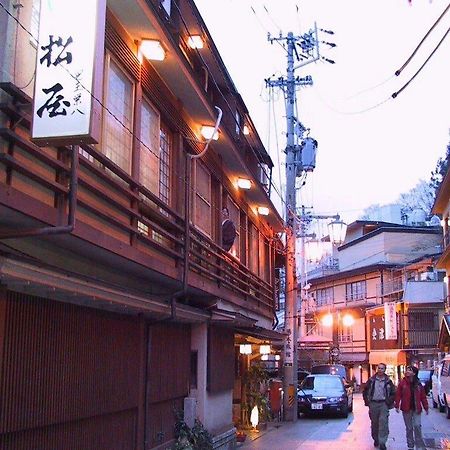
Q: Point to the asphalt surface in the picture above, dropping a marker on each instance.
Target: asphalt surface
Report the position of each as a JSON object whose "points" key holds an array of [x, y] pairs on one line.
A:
{"points": [[326, 433]]}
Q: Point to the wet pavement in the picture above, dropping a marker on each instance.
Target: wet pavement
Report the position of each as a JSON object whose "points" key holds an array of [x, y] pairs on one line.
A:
{"points": [[326, 433]]}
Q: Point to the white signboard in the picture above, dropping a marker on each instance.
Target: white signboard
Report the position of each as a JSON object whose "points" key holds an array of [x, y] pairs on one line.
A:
{"points": [[390, 320], [68, 69]]}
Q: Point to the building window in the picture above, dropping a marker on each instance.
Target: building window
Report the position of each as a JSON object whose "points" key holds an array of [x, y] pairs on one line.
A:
{"points": [[166, 4], [355, 291], [253, 251], [165, 145], [345, 334], [324, 296], [150, 149], [235, 217], [202, 198], [34, 22], [118, 117]]}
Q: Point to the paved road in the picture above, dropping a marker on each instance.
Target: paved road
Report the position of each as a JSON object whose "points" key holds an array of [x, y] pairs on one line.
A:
{"points": [[327, 433]]}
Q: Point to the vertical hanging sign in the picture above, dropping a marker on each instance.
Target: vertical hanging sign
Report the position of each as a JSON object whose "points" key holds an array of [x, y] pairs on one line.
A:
{"points": [[390, 320], [69, 71]]}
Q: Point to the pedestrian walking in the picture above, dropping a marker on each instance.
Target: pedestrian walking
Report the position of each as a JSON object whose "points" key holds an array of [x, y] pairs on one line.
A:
{"points": [[379, 396], [411, 399]]}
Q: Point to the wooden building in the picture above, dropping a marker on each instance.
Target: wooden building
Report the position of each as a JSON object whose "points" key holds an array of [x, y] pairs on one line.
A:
{"points": [[380, 264], [117, 300]]}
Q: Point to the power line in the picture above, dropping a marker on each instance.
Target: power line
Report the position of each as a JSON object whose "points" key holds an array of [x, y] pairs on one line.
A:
{"points": [[422, 41], [395, 94]]}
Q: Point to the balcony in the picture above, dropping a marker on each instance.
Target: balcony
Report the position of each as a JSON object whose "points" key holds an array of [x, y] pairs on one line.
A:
{"points": [[390, 287], [116, 217], [421, 338], [424, 292]]}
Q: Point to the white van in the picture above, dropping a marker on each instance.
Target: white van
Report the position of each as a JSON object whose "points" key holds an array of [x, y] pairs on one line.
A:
{"points": [[436, 394], [445, 384], [440, 390]]}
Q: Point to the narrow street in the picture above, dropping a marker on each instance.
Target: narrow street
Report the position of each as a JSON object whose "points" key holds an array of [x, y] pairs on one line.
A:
{"points": [[324, 433]]}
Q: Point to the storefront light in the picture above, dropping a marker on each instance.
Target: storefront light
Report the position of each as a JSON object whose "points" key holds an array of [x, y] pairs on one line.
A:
{"points": [[152, 50], [264, 349], [245, 349]]}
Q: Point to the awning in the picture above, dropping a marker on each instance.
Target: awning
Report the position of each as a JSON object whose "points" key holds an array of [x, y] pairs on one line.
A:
{"points": [[263, 333], [390, 357]]}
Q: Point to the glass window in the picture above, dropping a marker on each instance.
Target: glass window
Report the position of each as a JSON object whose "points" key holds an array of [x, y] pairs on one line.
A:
{"points": [[165, 145], [150, 148], [236, 219], [202, 216], [118, 117], [324, 296], [253, 249], [34, 22], [355, 291]]}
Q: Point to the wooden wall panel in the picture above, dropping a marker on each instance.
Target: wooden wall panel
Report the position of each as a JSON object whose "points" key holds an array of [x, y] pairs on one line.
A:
{"points": [[68, 372], [220, 359], [168, 379]]}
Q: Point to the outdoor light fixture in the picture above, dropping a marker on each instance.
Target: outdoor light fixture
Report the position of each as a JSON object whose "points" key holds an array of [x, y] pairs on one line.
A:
{"points": [[264, 349], [264, 357], [245, 349], [152, 49], [263, 211], [254, 417], [337, 230], [195, 41], [348, 320], [277, 357], [246, 130], [327, 320], [208, 132], [243, 183], [314, 250]]}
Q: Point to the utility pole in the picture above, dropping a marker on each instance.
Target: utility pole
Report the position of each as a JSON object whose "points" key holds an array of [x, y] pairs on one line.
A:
{"points": [[293, 168], [305, 48]]}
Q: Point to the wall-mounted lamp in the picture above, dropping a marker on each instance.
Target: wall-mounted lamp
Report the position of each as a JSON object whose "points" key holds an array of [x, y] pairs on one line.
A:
{"points": [[327, 320], [264, 349], [246, 130], [348, 320], [245, 349], [277, 357], [263, 211], [195, 41], [244, 183], [152, 49], [208, 131]]}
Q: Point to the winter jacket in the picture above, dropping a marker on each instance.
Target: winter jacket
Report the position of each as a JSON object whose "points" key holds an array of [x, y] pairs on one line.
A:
{"points": [[389, 391], [403, 396]]}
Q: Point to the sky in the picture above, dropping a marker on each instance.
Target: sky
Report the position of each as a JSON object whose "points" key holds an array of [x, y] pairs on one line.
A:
{"points": [[371, 147]]}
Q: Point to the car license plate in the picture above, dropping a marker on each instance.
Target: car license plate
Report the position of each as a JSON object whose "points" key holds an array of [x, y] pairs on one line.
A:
{"points": [[316, 406]]}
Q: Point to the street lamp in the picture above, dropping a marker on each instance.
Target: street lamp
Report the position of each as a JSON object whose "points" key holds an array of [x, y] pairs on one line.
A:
{"points": [[337, 230]]}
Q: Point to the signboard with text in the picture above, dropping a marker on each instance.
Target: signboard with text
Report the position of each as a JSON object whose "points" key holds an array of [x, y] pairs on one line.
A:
{"points": [[69, 71], [377, 330], [390, 320]]}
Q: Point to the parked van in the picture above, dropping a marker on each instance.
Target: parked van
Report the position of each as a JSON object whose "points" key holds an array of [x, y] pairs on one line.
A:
{"points": [[436, 394], [441, 386], [445, 384]]}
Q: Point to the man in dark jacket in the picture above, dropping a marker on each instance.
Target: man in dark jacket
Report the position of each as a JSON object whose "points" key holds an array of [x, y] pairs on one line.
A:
{"points": [[379, 395]]}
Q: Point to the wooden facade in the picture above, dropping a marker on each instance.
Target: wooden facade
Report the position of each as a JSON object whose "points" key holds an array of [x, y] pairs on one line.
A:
{"points": [[110, 254]]}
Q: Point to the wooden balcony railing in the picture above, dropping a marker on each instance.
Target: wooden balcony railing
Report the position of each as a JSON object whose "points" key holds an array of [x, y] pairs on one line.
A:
{"points": [[421, 338], [114, 203]]}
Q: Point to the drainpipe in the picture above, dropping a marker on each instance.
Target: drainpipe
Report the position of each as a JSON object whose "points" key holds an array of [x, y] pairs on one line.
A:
{"points": [[187, 216], [63, 229]]}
